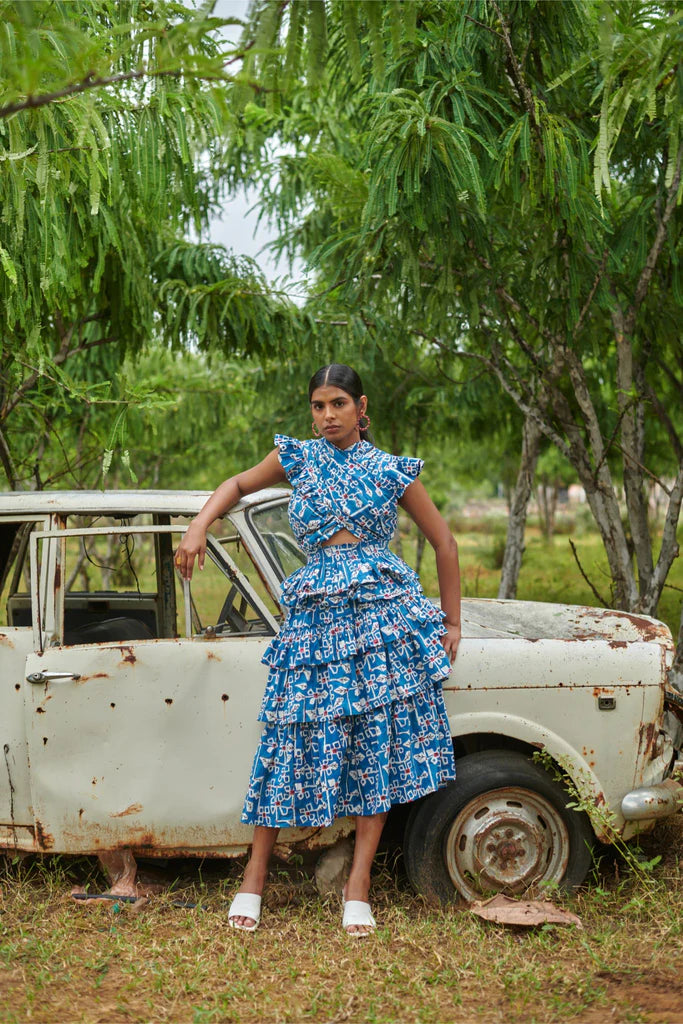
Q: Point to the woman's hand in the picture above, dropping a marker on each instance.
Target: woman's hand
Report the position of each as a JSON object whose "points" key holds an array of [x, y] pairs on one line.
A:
{"points": [[193, 545], [451, 639]]}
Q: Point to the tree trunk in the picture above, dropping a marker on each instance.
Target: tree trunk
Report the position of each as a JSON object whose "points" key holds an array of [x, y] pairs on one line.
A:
{"points": [[7, 462], [547, 505], [632, 414], [551, 510], [669, 549], [676, 670], [581, 442], [514, 543], [542, 498], [604, 505]]}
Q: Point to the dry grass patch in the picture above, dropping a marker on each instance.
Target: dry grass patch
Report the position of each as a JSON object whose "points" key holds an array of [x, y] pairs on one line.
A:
{"points": [[63, 961]]}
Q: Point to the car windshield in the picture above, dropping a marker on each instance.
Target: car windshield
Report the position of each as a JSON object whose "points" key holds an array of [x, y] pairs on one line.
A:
{"points": [[273, 529]]}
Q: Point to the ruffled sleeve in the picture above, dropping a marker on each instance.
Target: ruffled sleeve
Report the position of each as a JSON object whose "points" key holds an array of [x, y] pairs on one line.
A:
{"points": [[291, 455], [401, 471]]}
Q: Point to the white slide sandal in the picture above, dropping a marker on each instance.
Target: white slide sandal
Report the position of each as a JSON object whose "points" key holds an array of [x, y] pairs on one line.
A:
{"points": [[245, 904], [358, 913]]}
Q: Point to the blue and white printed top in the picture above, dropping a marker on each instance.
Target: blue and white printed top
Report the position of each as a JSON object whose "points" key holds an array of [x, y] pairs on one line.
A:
{"points": [[354, 489]]}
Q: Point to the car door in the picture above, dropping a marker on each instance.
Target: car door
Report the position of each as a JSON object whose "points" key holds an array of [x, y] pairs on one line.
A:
{"points": [[137, 739], [16, 641]]}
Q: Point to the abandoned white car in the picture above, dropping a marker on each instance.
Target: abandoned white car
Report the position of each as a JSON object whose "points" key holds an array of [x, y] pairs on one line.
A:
{"points": [[129, 701]]}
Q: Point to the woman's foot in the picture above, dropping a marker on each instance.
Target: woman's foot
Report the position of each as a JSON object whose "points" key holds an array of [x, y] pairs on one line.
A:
{"points": [[357, 919], [245, 912], [252, 885]]}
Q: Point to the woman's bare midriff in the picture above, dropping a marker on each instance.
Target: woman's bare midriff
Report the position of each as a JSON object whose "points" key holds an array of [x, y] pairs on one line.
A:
{"points": [[341, 537]]}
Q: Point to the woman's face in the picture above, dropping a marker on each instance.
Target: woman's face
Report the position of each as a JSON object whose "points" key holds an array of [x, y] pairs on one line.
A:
{"points": [[335, 414]]}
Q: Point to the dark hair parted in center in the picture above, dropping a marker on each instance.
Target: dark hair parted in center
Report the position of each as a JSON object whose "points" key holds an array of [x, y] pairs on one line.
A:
{"points": [[339, 375]]}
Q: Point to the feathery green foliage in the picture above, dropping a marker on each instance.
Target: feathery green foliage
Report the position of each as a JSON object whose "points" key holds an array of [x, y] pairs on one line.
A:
{"points": [[112, 116], [522, 165]]}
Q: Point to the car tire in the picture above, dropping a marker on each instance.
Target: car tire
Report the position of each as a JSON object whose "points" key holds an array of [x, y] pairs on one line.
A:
{"points": [[502, 826]]}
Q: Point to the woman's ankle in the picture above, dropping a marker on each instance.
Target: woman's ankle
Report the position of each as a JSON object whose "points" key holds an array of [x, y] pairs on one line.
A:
{"points": [[357, 887], [254, 879]]}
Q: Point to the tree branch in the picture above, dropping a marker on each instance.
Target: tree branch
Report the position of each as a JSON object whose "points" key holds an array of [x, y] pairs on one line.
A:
{"points": [[664, 419], [64, 353], [524, 400], [7, 463], [93, 81], [610, 441], [669, 549], [582, 393], [591, 294], [11, 404], [515, 303], [630, 458], [601, 600], [523, 89], [488, 28], [669, 373], [90, 81]]}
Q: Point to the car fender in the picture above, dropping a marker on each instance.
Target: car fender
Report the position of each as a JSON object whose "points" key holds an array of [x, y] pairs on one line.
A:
{"points": [[569, 760]]}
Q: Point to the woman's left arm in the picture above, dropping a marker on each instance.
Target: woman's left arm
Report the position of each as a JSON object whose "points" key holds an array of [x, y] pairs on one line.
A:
{"points": [[426, 515]]}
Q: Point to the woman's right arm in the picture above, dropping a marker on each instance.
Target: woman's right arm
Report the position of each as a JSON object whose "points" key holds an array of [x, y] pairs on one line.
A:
{"points": [[193, 544]]}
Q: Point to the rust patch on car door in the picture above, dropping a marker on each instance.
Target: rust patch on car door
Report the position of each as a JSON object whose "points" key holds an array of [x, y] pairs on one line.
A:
{"points": [[131, 809]]}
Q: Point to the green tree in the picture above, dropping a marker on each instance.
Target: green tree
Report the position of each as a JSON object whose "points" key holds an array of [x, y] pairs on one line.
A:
{"points": [[112, 116], [485, 215]]}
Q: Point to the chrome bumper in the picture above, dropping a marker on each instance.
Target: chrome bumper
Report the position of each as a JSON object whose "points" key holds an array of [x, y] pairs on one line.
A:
{"points": [[650, 802]]}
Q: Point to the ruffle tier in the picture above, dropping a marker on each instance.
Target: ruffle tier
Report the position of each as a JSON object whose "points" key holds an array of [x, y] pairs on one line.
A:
{"points": [[359, 634], [315, 636], [340, 573], [308, 774]]}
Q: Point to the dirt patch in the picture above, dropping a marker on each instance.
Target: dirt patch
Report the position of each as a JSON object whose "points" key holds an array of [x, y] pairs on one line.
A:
{"points": [[652, 997]]}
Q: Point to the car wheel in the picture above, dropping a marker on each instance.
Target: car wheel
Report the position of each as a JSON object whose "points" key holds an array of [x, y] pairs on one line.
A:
{"points": [[502, 826]]}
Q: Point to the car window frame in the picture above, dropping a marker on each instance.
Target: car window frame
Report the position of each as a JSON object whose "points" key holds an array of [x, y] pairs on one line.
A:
{"points": [[11, 573], [48, 625], [254, 510]]}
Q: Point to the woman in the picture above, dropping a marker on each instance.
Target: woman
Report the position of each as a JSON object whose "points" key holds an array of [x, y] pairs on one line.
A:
{"points": [[353, 713]]}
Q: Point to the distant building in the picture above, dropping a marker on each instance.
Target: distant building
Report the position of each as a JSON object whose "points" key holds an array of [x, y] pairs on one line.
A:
{"points": [[576, 494]]}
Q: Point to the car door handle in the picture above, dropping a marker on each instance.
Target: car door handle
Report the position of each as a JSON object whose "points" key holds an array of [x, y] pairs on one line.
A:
{"points": [[45, 677]]}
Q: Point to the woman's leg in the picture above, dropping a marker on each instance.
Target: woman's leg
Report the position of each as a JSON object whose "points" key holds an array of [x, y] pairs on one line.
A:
{"points": [[256, 871], [368, 834]]}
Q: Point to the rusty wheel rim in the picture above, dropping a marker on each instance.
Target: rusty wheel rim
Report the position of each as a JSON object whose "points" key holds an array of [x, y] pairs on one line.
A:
{"points": [[506, 840]]}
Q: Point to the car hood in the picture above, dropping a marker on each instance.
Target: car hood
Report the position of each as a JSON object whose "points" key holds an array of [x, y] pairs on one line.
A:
{"points": [[540, 620]]}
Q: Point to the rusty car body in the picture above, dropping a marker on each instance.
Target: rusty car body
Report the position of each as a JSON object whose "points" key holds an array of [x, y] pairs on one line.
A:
{"points": [[129, 701]]}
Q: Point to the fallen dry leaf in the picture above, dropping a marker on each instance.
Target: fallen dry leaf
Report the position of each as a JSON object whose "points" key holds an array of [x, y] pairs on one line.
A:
{"points": [[528, 913]]}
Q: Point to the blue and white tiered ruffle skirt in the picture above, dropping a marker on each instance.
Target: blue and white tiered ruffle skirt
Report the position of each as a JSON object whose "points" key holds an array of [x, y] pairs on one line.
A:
{"points": [[353, 713]]}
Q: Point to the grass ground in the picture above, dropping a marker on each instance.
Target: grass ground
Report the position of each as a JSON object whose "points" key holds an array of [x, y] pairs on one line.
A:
{"points": [[63, 961]]}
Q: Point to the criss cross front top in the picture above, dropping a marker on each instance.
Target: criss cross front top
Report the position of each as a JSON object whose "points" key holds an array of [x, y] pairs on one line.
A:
{"points": [[354, 489]]}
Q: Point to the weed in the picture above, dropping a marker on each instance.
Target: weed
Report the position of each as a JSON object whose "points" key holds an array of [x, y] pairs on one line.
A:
{"points": [[603, 820]]}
